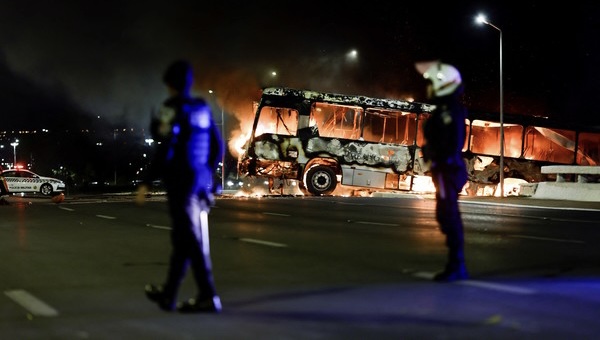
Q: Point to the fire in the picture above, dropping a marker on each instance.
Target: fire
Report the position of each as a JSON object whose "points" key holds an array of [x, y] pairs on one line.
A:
{"points": [[239, 138], [423, 184], [244, 113], [237, 142]]}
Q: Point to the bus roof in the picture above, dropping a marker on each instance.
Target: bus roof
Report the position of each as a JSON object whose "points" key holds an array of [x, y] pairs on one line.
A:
{"points": [[363, 101]]}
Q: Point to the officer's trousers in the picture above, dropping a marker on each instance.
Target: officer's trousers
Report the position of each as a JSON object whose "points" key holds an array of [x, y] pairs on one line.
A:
{"points": [[190, 245], [449, 181]]}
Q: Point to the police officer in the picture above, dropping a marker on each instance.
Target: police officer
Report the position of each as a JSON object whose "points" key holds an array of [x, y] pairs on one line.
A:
{"points": [[3, 189], [191, 150], [445, 133]]}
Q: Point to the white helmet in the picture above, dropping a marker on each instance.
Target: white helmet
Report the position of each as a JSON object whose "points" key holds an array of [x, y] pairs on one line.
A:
{"points": [[444, 78]]}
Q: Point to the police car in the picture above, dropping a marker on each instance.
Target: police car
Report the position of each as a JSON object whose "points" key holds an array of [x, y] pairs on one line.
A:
{"points": [[25, 181]]}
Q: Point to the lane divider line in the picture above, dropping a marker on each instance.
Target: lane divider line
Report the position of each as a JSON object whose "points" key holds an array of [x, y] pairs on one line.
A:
{"points": [[481, 284], [376, 223], [32, 304], [349, 203], [424, 275], [67, 209], [158, 226], [497, 286], [276, 214], [264, 243], [526, 205], [547, 239], [107, 217]]}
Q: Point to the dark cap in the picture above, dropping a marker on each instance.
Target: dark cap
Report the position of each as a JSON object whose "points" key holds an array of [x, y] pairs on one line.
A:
{"points": [[179, 75]]}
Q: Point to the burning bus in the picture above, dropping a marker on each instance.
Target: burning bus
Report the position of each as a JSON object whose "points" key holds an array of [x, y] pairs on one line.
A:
{"points": [[322, 140]]}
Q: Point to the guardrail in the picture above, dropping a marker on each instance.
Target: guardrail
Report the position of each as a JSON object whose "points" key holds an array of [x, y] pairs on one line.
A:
{"points": [[583, 173], [573, 182]]}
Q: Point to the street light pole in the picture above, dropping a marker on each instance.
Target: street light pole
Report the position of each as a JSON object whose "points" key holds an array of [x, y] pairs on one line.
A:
{"points": [[482, 20], [224, 151], [14, 145], [211, 92]]}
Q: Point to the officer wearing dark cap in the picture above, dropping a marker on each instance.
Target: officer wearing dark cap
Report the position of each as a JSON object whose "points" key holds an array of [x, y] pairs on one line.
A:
{"points": [[190, 150]]}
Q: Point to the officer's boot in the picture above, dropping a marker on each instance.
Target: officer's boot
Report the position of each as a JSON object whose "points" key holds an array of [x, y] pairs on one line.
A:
{"points": [[158, 294], [455, 268]]}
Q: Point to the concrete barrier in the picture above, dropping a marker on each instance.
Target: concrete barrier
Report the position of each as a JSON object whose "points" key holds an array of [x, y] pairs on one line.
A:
{"points": [[583, 173], [573, 182]]}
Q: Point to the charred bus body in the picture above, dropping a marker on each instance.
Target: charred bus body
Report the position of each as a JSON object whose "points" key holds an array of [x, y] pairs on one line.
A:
{"points": [[530, 142], [320, 139], [316, 138]]}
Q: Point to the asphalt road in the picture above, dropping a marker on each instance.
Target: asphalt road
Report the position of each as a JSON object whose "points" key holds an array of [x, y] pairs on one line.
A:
{"points": [[303, 268]]}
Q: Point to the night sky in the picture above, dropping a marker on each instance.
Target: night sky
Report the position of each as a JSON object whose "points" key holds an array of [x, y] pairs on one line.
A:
{"points": [[65, 58]]}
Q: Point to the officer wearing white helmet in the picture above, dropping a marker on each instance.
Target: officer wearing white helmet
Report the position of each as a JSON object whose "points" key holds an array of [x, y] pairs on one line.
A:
{"points": [[445, 133]]}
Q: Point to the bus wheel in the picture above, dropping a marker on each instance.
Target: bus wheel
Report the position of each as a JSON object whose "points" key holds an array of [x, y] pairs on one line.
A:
{"points": [[320, 180]]}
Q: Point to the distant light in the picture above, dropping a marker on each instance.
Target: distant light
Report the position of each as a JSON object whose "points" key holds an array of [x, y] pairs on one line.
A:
{"points": [[273, 73], [352, 56], [480, 19]]}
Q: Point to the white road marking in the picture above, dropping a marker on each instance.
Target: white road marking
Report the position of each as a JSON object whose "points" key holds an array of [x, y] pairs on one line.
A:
{"points": [[497, 286], [526, 206], [67, 209], [547, 239], [264, 243], [376, 223], [32, 304], [424, 275], [107, 217], [275, 214], [481, 284], [158, 226]]}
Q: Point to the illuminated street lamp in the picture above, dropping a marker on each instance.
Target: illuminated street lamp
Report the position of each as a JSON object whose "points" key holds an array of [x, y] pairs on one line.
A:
{"points": [[14, 145], [352, 55], [481, 19]]}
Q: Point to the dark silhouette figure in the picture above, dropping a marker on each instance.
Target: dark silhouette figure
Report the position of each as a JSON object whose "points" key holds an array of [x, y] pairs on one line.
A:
{"points": [[189, 152], [3, 189], [445, 134]]}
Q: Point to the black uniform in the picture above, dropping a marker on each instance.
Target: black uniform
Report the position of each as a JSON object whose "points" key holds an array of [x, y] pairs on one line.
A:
{"points": [[3, 189], [190, 151], [445, 134]]}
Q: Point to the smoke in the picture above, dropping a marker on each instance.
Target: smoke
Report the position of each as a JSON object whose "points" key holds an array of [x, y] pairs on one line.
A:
{"points": [[108, 59]]}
